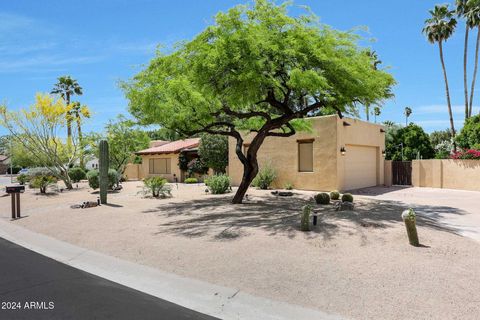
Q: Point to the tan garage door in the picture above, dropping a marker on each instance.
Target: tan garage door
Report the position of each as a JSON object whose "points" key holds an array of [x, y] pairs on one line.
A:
{"points": [[360, 167]]}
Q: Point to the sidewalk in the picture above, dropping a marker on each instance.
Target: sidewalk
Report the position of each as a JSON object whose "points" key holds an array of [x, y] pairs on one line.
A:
{"points": [[217, 301]]}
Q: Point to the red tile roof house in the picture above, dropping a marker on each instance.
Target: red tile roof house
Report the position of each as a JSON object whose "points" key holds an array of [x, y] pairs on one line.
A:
{"points": [[162, 158]]}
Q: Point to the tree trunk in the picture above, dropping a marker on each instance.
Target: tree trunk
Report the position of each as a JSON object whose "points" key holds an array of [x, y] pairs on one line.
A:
{"points": [[69, 120], [367, 112], [465, 57], [472, 89], [250, 170], [447, 92], [80, 141]]}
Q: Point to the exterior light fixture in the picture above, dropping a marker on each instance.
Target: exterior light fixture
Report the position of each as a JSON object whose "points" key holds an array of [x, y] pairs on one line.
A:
{"points": [[384, 153], [343, 151]]}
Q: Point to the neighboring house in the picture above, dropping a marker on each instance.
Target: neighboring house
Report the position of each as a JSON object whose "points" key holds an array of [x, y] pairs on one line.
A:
{"points": [[4, 164], [339, 154], [161, 159]]}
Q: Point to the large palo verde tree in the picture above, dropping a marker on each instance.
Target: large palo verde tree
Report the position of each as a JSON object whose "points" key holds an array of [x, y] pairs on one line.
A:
{"points": [[256, 70]]}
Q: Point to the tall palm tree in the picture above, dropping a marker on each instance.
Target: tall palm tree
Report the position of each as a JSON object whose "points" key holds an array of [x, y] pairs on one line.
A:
{"points": [[79, 112], [375, 63], [407, 113], [462, 10], [438, 28], [472, 16], [67, 87], [376, 112]]}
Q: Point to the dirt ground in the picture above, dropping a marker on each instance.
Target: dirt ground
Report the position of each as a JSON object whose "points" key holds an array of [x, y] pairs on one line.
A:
{"points": [[354, 263]]}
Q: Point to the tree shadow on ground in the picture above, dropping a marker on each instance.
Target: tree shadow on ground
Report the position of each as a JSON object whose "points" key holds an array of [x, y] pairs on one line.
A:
{"points": [[217, 218], [378, 190]]}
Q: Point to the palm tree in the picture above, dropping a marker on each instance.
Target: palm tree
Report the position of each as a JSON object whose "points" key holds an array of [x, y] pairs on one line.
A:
{"points": [[77, 113], [376, 112], [67, 87], [472, 15], [438, 28], [407, 113], [462, 10], [375, 63]]}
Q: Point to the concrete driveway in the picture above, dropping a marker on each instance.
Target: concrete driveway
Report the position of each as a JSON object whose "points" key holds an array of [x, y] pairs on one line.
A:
{"points": [[458, 210]]}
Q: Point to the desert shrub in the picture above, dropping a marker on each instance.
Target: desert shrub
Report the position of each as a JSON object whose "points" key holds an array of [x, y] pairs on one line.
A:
{"points": [[191, 180], [347, 197], [322, 198], [23, 178], [42, 182], [76, 174], [197, 166], [93, 178], [157, 186], [39, 171], [335, 195], [218, 184], [288, 186], [265, 177]]}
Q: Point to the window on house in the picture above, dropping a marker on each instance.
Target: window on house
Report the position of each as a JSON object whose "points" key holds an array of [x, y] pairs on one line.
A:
{"points": [[159, 166], [305, 156]]}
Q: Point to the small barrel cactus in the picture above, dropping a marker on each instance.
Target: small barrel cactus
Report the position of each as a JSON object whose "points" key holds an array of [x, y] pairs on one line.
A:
{"points": [[103, 170], [410, 219], [322, 198], [347, 197], [305, 222], [335, 195]]}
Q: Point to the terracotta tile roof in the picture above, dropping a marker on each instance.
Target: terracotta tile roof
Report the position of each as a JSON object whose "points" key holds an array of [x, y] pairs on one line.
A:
{"points": [[3, 157], [158, 143], [172, 147]]}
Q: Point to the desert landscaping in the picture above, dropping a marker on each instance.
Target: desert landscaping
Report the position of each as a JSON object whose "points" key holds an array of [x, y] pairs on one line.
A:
{"points": [[353, 263]]}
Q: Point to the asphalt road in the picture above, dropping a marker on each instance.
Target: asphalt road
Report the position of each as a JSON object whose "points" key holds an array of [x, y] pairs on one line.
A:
{"points": [[36, 287], [4, 180]]}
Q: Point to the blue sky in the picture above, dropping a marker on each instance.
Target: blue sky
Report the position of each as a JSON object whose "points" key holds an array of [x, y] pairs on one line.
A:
{"points": [[101, 42]]}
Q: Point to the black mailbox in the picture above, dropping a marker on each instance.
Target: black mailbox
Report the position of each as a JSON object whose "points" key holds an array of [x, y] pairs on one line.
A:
{"points": [[15, 189]]}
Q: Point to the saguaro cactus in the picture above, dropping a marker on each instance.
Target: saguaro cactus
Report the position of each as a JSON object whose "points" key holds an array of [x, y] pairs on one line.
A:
{"points": [[103, 168], [305, 222], [409, 217]]}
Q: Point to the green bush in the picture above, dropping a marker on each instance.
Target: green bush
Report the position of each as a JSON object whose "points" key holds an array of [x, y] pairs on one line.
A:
{"points": [[347, 197], [218, 184], [76, 174], [191, 180], [42, 182], [288, 186], [335, 195], [265, 177], [93, 180], [23, 178], [157, 186], [322, 198]]}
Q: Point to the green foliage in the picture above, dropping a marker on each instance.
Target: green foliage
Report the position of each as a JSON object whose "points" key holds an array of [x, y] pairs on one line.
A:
{"points": [[157, 186], [469, 136], [335, 195], [93, 178], [183, 161], [322, 198], [218, 184], [288, 186], [213, 150], [347, 197], [77, 174], [442, 143], [23, 178], [191, 180], [41, 178], [414, 141], [197, 166], [164, 134], [265, 177]]}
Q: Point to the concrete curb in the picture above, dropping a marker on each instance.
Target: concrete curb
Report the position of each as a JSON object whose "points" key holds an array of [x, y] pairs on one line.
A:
{"points": [[217, 301]]}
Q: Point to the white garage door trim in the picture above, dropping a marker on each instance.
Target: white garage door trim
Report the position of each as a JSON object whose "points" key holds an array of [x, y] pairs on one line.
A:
{"points": [[360, 167]]}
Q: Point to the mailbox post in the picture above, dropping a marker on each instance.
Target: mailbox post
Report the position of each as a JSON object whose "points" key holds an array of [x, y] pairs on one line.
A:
{"points": [[15, 191]]}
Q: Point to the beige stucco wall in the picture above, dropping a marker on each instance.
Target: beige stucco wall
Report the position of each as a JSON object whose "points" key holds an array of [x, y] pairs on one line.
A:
{"points": [[133, 171], [449, 174], [329, 135], [174, 169], [387, 180]]}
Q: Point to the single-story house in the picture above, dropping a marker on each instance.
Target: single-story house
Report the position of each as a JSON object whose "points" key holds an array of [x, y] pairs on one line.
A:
{"points": [[162, 158], [339, 154], [4, 163]]}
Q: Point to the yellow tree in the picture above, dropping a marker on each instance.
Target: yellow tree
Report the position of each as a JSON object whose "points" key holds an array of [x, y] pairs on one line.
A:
{"points": [[36, 129]]}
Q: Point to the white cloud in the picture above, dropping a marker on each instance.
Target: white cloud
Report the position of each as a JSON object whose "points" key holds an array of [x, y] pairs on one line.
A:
{"points": [[44, 61]]}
